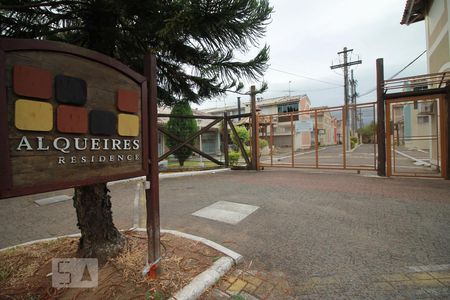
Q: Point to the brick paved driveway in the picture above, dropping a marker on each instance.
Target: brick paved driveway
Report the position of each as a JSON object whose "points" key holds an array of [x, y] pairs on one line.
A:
{"points": [[330, 234]]}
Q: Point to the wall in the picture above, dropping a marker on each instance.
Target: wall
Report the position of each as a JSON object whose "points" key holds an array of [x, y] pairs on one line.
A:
{"points": [[438, 36]]}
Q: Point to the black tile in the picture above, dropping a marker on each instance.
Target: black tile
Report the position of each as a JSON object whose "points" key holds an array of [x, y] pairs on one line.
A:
{"points": [[102, 122], [70, 90]]}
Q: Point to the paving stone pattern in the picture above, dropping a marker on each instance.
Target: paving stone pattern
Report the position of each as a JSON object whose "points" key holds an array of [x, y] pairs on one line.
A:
{"points": [[243, 284]]}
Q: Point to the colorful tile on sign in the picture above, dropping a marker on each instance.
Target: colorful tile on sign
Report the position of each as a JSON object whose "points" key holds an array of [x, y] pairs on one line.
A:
{"points": [[128, 101], [33, 115], [70, 90], [71, 119], [128, 125], [102, 122], [32, 82]]}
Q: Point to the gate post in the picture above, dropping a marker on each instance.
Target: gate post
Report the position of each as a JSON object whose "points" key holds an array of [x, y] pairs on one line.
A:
{"points": [[381, 131], [225, 139], [447, 136], [152, 195], [255, 130]]}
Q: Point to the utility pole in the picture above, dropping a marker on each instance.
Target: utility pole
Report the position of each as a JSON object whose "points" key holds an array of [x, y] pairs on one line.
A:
{"points": [[239, 107], [353, 84], [345, 65]]}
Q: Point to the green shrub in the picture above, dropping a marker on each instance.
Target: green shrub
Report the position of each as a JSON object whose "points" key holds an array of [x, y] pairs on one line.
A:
{"points": [[368, 133], [243, 134], [353, 141], [247, 150], [263, 143], [233, 157]]}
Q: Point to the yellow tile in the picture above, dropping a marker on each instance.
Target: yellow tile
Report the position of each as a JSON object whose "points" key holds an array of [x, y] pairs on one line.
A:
{"points": [[128, 125], [250, 288], [252, 279], [440, 275], [445, 281], [236, 287], [395, 277], [402, 284], [427, 283], [231, 279], [419, 276], [33, 115]]}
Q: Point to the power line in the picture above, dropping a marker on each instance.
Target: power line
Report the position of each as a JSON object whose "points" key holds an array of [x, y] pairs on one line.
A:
{"points": [[395, 75], [309, 90], [298, 75], [306, 77]]}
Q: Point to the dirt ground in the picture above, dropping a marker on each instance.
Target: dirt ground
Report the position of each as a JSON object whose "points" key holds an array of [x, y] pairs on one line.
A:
{"points": [[24, 271]]}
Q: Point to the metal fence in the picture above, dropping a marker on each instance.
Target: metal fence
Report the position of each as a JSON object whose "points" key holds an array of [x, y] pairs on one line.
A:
{"points": [[414, 136], [342, 137]]}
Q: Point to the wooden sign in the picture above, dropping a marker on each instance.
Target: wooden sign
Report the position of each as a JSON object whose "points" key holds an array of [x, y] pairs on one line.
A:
{"points": [[69, 117]]}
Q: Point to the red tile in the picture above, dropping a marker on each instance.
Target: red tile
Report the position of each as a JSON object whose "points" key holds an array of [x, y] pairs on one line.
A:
{"points": [[72, 119], [32, 82], [128, 101]]}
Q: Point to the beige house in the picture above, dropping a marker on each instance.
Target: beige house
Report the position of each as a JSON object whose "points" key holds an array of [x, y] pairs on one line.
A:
{"points": [[436, 14], [420, 117], [327, 127], [300, 125], [279, 108], [218, 111]]}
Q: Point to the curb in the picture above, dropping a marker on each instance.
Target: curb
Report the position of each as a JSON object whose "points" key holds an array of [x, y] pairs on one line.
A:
{"points": [[207, 278], [201, 282], [191, 173], [41, 241], [170, 175], [237, 258], [204, 280], [356, 147]]}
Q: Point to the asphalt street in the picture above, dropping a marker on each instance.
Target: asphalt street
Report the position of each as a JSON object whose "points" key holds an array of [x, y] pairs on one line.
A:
{"points": [[331, 234]]}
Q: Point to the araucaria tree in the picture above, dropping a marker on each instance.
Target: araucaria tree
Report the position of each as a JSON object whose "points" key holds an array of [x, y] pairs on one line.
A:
{"points": [[181, 128], [195, 42]]}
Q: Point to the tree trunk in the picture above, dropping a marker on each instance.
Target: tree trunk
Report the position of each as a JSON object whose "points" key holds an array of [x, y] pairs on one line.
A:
{"points": [[99, 237]]}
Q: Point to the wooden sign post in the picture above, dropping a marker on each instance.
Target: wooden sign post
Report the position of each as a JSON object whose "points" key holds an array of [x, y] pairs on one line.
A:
{"points": [[72, 117]]}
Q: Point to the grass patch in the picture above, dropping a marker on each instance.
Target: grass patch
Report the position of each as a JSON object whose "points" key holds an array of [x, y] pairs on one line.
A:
{"points": [[191, 164]]}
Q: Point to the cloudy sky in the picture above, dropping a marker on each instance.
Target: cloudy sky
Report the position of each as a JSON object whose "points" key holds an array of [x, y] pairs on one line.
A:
{"points": [[305, 36]]}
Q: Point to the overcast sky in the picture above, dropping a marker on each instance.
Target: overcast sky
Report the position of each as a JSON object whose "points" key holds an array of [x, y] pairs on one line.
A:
{"points": [[305, 36]]}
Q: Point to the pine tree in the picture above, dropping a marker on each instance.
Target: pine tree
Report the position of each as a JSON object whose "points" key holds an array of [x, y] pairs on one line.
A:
{"points": [[194, 41], [181, 128]]}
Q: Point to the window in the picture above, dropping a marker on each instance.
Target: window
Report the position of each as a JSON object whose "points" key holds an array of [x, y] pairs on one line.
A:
{"points": [[287, 108], [422, 119]]}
